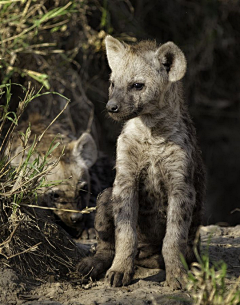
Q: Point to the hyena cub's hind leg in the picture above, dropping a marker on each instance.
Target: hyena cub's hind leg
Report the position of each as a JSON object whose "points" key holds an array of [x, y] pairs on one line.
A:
{"points": [[98, 264], [150, 256]]}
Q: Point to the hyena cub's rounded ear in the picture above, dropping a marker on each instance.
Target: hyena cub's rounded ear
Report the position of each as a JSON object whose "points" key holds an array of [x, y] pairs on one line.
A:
{"points": [[115, 51], [173, 59], [85, 150]]}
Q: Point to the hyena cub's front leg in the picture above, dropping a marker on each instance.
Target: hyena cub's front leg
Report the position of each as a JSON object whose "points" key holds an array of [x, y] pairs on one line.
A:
{"points": [[181, 202], [125, 210], [95, 266]]}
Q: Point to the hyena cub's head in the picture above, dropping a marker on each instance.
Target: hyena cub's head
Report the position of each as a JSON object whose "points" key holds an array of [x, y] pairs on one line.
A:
{"points": [[74, 192], [141, 74]]}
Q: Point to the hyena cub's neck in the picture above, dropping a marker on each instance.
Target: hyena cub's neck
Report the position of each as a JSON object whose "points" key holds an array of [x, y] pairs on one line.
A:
{"points": [[145, 84]]}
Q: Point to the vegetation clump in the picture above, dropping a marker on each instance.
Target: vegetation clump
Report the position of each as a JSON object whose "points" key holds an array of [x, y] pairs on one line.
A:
{"points": [[29, 240], [206, 283]]}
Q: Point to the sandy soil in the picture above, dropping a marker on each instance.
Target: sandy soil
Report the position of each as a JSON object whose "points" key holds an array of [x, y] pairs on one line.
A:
{"points": [[147, 287]]}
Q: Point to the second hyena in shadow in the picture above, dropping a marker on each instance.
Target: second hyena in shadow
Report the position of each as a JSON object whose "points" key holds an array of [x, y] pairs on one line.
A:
{"points": [[153, 211], [72, 169]]}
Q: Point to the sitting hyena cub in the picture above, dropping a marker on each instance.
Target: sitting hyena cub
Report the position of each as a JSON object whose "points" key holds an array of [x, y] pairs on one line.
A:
{"points": [[153, 211], [73, 168]]}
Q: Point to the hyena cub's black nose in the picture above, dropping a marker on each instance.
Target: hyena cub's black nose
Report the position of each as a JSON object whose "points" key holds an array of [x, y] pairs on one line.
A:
{"points": [[112, 106], [76, 217]]}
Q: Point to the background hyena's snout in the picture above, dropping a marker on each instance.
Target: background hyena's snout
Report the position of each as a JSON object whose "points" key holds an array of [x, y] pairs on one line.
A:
{"points": [[112, 106], [76, 217]]}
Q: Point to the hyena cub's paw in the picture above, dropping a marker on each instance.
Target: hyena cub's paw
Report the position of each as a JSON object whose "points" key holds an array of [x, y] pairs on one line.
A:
{"points": [[88, 234], [118, 278], [91, 267], [175, 277]]}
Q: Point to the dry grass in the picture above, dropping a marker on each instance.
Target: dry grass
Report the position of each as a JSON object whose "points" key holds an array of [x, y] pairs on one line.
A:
{"points": [[39, 41], [22, 183], [37, 248], [36, 45], [30, 242], [23, 26]]}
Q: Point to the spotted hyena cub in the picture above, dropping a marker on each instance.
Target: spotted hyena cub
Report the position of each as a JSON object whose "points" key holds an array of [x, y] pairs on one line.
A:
{"points": [[153, 211], [73, 169]]}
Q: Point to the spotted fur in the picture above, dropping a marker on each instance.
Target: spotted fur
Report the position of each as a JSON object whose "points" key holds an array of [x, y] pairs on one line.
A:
{"points": [[154, 209]]}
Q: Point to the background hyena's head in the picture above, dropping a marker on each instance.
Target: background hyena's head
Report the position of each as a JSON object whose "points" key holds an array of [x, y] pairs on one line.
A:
{"points": [[72, 171], [73, 192], [141, 75]]}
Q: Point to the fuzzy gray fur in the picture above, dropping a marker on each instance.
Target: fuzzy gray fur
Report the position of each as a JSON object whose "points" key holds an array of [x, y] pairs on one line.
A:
{"points": [[154, 209]]}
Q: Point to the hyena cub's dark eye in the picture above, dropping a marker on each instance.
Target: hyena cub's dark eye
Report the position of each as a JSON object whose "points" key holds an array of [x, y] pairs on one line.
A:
{"points": [[112, 84], [55, 195], [138, 86]]}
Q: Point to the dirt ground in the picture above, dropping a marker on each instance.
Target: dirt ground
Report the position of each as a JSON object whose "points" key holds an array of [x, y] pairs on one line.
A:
{"points": [[147, 287]]}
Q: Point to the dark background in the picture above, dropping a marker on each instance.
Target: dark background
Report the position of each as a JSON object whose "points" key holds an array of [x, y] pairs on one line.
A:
{"points": [[208, 32]]}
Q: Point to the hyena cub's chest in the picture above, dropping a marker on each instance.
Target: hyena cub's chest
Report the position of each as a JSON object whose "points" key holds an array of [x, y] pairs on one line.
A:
{"points": [[152, 189]]}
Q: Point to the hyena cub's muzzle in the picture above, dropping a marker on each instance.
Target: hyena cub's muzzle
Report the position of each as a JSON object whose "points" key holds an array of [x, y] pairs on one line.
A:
{"points": [[112, 106], [125, 106], [75, 218], [68, 210], [71, 219], [122, 111]]}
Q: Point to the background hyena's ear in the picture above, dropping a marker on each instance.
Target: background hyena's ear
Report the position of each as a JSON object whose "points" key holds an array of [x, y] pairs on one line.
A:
{"points": [[173, 59], [85, 149], [115, 51]]}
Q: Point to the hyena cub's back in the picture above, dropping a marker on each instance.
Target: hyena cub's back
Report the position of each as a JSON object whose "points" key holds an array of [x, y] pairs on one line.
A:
{"points": [[154, 207], [73, 168]]}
